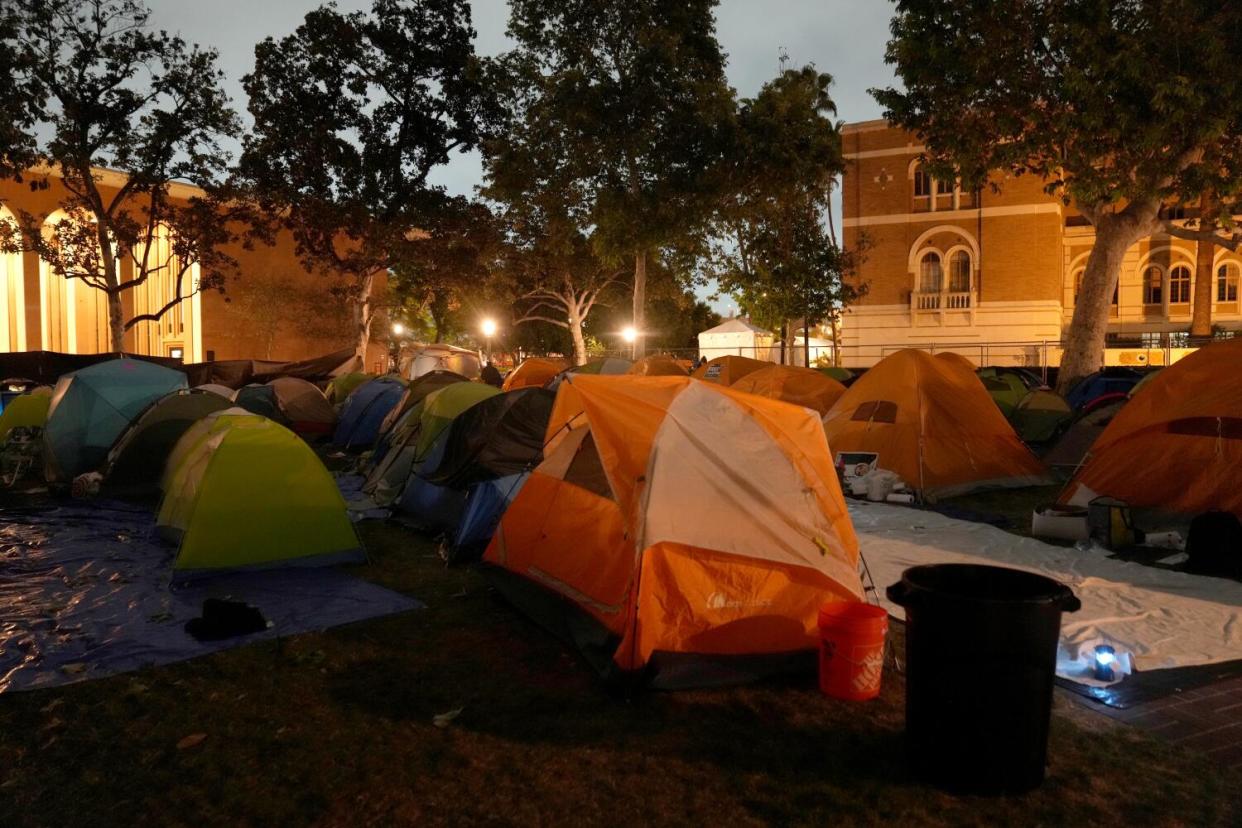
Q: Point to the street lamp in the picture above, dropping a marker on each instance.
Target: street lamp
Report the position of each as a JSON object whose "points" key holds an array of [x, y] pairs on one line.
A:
{"points": [[488, 328], [397, 329], [630, 334]]}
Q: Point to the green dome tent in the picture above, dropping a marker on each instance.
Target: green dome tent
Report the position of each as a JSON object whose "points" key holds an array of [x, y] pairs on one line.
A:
{"points": [[341, 387], [1041, 416], [137, 459], [247, 493], [434, 415], [91, 407], [1006, 388], [25, 411]]}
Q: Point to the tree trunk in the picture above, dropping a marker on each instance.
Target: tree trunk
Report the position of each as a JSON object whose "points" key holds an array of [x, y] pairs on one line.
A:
{"points": [[836, 341], [575, 331], [806, 344], [116, 322], [784, 340], [640, 303], [1201, 317], [362, 316], [1084, 345]]}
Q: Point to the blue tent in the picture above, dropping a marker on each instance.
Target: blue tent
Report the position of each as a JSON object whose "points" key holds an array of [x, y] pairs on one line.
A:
{"points": [[428, 505], [1108, 381], [485, 505], [91, 407], [364, 412]]}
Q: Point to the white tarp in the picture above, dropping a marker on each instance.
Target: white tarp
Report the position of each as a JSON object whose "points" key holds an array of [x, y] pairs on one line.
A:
{"points": [[1158, 617]]}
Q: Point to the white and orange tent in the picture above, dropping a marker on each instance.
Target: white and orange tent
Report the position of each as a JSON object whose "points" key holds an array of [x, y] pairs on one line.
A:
{"points": [[658, 365], [687, 521], [1177, 446], [931, 421], [799, 386]]}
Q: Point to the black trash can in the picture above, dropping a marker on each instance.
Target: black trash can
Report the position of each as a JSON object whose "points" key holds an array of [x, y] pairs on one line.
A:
{"points": [[981, 644]]}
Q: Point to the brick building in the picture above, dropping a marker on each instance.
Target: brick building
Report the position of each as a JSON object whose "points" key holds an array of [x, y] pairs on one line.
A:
{"points": [[272, 306], [993, 275]]}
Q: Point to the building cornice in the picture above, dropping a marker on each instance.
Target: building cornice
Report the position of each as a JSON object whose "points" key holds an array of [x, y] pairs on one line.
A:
{"points": [[954, 215], [877, 125]]}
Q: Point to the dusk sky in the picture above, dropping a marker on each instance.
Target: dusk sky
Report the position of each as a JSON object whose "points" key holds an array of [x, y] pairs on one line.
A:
{"points": [[845, 38]]}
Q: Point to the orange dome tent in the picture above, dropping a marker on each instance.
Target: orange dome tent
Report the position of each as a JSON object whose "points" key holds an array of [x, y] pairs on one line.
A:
{"points": [[727, 370], [658, 366], [534, 372], [1177, 446], [932, 422], [801, 386], [687, 521]]}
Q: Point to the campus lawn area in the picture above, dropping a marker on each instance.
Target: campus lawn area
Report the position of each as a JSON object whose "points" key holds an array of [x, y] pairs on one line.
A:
{"points": [[339, 728]]}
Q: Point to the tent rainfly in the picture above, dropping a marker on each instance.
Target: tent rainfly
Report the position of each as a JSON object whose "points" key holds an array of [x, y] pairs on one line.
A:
{"points": [[930, 421], [620, 535], [247, 493]]}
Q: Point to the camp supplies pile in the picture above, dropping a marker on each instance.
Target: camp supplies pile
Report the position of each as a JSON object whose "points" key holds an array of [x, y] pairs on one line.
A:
{"points": [[675, 524], [243, 492], [929, 420], [90, 408]]}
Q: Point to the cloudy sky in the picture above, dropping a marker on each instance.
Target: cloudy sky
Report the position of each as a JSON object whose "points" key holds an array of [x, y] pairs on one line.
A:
{"points": [[842, 37]]}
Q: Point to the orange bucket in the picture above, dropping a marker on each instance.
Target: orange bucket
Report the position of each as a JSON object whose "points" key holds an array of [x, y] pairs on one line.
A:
{"points": [[851, 649]]}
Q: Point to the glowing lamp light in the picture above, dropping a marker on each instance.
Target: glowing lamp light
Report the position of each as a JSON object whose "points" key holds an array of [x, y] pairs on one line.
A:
{"points": [[629, 334], [1105, 658], [488, 326], [398, 328]]}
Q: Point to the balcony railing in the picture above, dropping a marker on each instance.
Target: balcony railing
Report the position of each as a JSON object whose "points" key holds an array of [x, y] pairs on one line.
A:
{"points": [[941, 301]]}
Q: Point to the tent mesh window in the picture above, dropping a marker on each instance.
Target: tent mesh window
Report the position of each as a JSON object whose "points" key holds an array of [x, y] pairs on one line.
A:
{"points": [[878, 411], [587, 472]]}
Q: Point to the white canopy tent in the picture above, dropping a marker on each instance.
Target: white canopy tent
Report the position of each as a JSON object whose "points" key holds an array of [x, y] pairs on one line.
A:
{"points": [[736, 337]]}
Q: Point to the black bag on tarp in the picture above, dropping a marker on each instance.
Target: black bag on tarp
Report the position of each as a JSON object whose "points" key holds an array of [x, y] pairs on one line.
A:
{"points": [[1214, 545]]}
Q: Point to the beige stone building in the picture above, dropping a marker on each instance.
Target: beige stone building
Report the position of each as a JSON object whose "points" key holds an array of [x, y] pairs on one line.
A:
{"points": [[993, 274], [272, 307]]}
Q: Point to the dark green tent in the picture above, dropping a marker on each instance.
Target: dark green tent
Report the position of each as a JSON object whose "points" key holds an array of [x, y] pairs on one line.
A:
{"points": [[136, 460], [499, 436]]}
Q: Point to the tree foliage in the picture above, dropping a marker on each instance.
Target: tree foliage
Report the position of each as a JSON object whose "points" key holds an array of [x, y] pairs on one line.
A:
{"points": [[626, 103], [1120, 108], [352, 113], [94, 87], [772, 248]]}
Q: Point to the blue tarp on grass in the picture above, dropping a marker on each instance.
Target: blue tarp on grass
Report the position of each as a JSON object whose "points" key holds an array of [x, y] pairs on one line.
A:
{"points": [[84, 593]]}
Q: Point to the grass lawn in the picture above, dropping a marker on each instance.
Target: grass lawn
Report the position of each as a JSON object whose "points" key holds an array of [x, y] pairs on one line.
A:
{"points": [[338, 729]]}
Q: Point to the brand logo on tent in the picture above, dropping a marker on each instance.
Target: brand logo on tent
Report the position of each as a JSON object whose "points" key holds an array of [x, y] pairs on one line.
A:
{"points": [[718, 601]]}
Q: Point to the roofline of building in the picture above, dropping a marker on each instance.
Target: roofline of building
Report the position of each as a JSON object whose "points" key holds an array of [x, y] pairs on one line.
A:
{"points": [[875, 125], [116, 178]]}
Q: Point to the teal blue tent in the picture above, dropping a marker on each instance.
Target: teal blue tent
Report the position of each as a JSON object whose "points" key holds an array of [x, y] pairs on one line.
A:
{"points": [[91, 407]]}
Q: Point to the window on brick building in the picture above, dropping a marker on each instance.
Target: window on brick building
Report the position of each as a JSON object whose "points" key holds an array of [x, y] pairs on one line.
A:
{"points": [[1078, 274], [922, 183], [1153, 286], [1227, 282], [931, 278], [959, 272], [1179, 285], [944, 187]]}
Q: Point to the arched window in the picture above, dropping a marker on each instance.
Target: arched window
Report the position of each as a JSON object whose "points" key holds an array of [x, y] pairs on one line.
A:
{"points": [[922, 183], [931, 279], [1153, 286], [1179, 285], [1227, 282], [959, 272]]}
